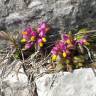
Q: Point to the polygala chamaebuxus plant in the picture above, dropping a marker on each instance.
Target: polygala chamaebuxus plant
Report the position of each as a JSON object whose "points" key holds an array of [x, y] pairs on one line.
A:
{"points": [[70, 52]]}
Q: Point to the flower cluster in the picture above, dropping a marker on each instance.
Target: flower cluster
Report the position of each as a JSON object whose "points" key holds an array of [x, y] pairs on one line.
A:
{"points": [[64, 47], [42, 30], [37, 36]]}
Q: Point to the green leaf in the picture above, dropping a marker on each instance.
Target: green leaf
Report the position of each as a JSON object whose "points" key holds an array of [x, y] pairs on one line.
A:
{"points": [[83, 30], [78, 59], [81, 33]]}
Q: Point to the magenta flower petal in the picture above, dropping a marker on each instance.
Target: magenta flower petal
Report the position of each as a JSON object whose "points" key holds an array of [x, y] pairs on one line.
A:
{"points": [[55, 48], [53, 52], [26, 37], [42, 34], [39, 29], [43, 25], [81, 42], [62, 45], [29, 30], [39, 40], [65, 37], [28, 45], [33, 33]]}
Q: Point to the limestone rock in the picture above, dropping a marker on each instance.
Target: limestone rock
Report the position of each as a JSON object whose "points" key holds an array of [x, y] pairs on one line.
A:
{"points": [[15, 14], [81, 82], [12, 84]]}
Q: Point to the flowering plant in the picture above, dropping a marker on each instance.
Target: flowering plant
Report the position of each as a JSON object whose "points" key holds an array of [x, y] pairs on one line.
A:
{"points": [[62, 47], [31, 36], [70, 50]]}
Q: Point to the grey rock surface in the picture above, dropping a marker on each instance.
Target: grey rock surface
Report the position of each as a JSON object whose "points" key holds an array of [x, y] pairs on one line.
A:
{"points": [[13, 85], [81, 82], [16, 14]]}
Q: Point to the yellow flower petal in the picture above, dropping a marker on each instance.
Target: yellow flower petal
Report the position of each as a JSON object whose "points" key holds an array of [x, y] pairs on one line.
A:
{"points": [[33, 38], [44, 39], [23, 40], [54, 57], [64, 54], [68, 41], [24, 33], [41, 44]]}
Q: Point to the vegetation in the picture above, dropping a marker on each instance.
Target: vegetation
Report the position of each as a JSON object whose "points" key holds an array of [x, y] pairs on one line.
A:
{"points": [[69, 52]]}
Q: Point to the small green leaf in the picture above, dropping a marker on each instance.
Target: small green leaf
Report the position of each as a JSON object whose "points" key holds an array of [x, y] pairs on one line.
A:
{"points": [[83, 30]]}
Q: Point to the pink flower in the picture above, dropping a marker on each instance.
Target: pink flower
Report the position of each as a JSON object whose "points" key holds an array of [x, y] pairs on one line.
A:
{"points": [[28, 30], [62, 48], [39, 36], [39, 40], [54, 50], [33, 33], [42, 26], [29, 34], [62, 45], [65, 37], [28, 45], [42, 34], [26, 34]]}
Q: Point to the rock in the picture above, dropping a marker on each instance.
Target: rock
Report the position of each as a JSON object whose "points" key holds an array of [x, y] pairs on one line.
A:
{"points": [[82, 82], [15, 14], [34, 4], [11, 85]]}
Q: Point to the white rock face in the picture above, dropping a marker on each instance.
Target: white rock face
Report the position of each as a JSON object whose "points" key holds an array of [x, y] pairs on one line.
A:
{"points": [[81, 82], [13, 85], [74, 13], [34, 3]]}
